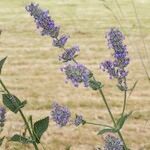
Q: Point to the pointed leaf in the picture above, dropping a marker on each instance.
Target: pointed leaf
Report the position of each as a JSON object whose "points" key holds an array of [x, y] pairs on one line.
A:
{"points": [[2, 63], [21, 139], [132, 89], [40, 127], [12, 102], [113, 130], [122, 120]]}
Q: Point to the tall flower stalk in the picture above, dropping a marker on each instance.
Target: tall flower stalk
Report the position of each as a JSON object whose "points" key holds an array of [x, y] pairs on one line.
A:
{"points": [[77, 73], [116, 68], [130, 42]]}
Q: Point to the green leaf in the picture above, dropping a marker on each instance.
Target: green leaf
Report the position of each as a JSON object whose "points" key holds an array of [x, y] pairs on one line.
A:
{"points": [[2, 63], [40, 127], [12, 102], [95, 85], [122, 120], [113, 130], [132, 89], [1, 140], [21, 139]]}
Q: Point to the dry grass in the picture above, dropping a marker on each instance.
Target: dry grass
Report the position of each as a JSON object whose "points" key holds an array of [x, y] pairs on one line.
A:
{"points": [[32, 69]]}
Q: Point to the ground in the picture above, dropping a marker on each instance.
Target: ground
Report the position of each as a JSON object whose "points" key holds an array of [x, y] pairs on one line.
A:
{"points": [[32, 70]]}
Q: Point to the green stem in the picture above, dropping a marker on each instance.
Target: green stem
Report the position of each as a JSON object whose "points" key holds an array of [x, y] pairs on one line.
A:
{"points": [[124, 102], [23, 117], [109, 111], [111, 115], [97, 124], [112, 118]]}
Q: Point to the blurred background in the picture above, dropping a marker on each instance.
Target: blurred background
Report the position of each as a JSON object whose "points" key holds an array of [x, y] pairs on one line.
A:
{"points": [[32, 71]]}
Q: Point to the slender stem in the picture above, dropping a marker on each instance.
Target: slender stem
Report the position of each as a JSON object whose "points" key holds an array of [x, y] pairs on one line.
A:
{"points": [[97, 124], [140, 28], [23, 117], [26, 123], [31, 124], [119, 8], [124, 103], [111, 115]]}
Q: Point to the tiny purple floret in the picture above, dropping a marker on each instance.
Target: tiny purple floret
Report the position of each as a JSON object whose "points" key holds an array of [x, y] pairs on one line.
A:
{"points": [[78, 120]]}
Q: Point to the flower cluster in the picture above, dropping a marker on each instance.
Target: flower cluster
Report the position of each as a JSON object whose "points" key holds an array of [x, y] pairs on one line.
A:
{"points": [[78, 120], [60, 114], [69, 54], [116, 68], [43, 20], [46, 24], [113, 143], [2, 116], [77, 73]]}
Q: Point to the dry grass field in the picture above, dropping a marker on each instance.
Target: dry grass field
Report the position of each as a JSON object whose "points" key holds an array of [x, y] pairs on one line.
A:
{"points": [[32, 70]]}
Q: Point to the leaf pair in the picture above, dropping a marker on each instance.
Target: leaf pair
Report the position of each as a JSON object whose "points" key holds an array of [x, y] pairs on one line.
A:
{"points": [[38, 129], [119, 125]]}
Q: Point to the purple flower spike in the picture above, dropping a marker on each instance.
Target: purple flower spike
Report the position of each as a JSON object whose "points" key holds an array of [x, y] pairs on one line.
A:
{"points": [[116, 68], [113, 143], [78, 120], [77, 73], [43, 20], [2, 116], [60, 42], [114, 38], [69, 54], [60, 114]]}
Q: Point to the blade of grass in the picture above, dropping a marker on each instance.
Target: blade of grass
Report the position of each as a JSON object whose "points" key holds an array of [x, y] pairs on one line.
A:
{"points": [[140, 29]]}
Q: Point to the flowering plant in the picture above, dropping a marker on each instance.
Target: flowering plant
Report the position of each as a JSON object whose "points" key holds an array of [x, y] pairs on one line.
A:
{"points": [[77, 74]]}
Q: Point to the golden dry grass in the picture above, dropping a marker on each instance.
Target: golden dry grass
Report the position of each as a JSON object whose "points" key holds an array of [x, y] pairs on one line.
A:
{"points": [[32, 69]]}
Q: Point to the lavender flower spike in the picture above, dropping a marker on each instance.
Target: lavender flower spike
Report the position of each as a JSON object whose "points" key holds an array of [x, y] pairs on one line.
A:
{"points": [[114, 38], [113, 143], [2, 116], [77, 73], [43, 20], [116, 68], [60, 114]]}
